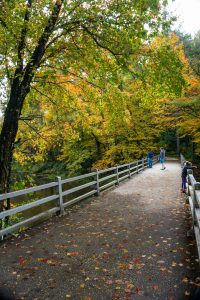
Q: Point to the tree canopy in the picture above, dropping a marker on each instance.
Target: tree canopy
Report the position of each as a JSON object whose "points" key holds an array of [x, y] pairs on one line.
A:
{"points": [[89, 84]]}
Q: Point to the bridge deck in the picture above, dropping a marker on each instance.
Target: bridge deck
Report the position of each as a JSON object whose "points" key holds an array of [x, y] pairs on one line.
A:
{"points": [[129, 243]]}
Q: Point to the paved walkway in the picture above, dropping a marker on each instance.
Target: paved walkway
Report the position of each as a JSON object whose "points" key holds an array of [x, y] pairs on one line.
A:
{"points": [[129, 243]]}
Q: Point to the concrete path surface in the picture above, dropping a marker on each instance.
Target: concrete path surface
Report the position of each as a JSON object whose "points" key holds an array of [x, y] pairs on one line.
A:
{"points": [[128, 243]]}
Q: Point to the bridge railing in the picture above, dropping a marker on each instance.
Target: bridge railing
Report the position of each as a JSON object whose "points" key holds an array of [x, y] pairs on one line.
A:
{"points": [[193, 198], [61, 197]]}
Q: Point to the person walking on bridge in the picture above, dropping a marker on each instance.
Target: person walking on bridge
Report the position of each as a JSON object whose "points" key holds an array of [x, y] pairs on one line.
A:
{"points": [[150, 158], [187, 166], [162, 158]]}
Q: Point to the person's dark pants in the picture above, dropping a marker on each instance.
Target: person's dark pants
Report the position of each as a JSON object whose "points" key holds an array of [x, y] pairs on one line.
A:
{"points": [[196, 296], [184, 180], [150, 162]]}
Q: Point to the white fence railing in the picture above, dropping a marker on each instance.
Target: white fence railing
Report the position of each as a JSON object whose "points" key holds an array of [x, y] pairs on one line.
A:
{"points": [[59, 199], [193, 198]]}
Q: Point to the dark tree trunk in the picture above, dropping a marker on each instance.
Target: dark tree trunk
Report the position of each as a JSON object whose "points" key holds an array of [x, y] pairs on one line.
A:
{"points": [[9, 132], [193, 150], [7, 139], [98, 145], [177, 143]]}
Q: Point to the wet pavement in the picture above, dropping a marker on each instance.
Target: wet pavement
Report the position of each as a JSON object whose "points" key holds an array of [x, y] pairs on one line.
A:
{"points": [[129, 243]]}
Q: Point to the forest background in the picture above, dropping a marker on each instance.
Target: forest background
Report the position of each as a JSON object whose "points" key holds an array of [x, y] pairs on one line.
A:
{"points": [[92, 84]]}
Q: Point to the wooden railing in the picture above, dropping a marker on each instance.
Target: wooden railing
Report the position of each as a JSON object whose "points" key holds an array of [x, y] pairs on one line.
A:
{"points": [[97, 181], [193, 199]]}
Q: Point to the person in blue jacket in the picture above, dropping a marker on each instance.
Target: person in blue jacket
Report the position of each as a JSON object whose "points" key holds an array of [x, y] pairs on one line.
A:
{"points": [[150, 158]]}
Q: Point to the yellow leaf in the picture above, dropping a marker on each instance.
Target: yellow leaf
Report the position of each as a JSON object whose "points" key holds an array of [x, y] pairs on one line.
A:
{"points": [[187, 293], [40, 259], [72, 253], [125, 250], [130, 286]]}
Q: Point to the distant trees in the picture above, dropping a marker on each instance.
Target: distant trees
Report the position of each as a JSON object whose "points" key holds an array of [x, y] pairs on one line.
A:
{"points": [[188, 106], [192, 50]]}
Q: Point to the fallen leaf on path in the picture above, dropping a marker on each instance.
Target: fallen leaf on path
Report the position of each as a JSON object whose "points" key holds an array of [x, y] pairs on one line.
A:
{"points": [[155, 287], [139, 291], [72, 253], [130, 286], [187, 293], [128, 292], [125, 250], [115, 296], [22, 261], [109, 282]]}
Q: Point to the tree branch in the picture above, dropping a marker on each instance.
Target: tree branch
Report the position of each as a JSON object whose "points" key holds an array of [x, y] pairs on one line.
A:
{"points": [[94, 37], [39, 51], [22, 40], [3, 23], [41, 93], [35, 130]]}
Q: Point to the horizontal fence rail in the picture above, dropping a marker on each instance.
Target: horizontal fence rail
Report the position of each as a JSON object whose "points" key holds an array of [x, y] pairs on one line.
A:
{"points": [[61, 194], [193, 199]]}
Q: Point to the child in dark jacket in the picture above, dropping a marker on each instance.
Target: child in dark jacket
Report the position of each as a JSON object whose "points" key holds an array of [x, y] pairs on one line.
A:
{"points": [[187, 166]]}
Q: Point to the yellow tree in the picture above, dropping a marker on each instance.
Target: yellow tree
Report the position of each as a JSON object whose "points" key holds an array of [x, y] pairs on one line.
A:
{"points": [[43, 35], [110, 119]]}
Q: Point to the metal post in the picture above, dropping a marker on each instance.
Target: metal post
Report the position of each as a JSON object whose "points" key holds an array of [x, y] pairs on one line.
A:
{"points": [[97, 183], [60, 195]]}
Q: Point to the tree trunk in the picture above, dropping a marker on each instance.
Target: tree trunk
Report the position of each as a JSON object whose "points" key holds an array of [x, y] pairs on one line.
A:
{"points": [[193, 150], [177, 143], [7, 139], [98, 145]]}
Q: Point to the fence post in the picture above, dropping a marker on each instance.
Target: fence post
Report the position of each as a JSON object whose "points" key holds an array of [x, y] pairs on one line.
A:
{"points": [[137, 168], [117, 175], [129, 170], [60, 194], [188, 181], [182, 160], [195, 203], [97, 183], [143, 163]]}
